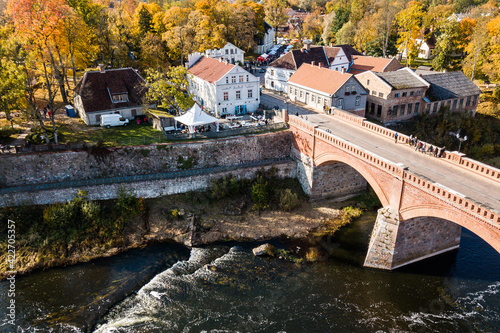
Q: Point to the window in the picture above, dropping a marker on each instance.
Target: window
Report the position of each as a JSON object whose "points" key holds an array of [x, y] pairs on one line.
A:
{"points": [[455, 104], [240, 78], [291, 90], [272, 72], [224, 110], [353, 87], [232, 51], [295, 92], [233, 79], [313, 98], [396, 95], [325, 103], [247, 78], [435, 107], [405, 94], [474, 100], [226, 96], [238, 94], [301, 94], [403, 107], [367, 82], [395, 110], [468, 101], [339, 103], [410, 106], [412, 93], [419, 93], [379, 110], [372, 108], [389, 111], [98, 118], [319, 100], [227, 51], [347, 89], [250, 93], [358, 100], [427, 108], [374, 93], [417, 107], [381, 95], [461, 105]]}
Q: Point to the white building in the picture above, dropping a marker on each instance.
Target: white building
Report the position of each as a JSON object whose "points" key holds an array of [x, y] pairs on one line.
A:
{"points": [[222, 88], [278, 72], [228, 52], [265, 42]]}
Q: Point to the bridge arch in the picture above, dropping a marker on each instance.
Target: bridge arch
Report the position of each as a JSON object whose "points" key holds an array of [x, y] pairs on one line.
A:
{"points": [[463, 219], [332, 157]]}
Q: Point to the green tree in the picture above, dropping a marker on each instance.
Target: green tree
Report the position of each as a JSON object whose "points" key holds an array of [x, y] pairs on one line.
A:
{"points": [[447, 46], [145, 21], [169, 89]]}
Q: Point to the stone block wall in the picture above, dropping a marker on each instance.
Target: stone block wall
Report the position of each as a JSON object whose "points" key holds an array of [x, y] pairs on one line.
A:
{"points": [[36, 168], [145, 189], [336, 180]]}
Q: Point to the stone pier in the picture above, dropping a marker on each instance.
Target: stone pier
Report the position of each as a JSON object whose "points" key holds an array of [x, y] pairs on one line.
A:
{"points": [[395, 242]]}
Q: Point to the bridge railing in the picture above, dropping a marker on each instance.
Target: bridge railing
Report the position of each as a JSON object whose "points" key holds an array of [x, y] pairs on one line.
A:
{"points": [[454, 158], [139, 178]]}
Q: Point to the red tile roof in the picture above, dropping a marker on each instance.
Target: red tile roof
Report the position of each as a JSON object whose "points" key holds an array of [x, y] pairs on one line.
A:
{"points": [[379, 65], [321, 79], [95, 88], [210, 69]]}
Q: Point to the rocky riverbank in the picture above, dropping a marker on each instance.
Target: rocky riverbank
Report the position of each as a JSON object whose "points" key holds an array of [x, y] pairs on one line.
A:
{"points": [[192, 219]]}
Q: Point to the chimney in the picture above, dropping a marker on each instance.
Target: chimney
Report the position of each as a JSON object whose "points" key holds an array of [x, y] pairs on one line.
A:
{"points": [[343, 70], [101, 68], [312, 63], [320, 65]]}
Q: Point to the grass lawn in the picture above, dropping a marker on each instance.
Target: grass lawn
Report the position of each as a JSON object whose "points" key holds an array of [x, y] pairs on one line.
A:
{"points": [[131, 135]]}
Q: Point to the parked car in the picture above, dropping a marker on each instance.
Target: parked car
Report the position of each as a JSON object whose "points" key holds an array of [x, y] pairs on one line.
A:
{"points": [[262, 70], [109, 120]]}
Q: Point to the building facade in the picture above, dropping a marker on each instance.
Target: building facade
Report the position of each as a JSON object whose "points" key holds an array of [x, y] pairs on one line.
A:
{"points": [[112, 91], [222, 88], [324, 88], [265, 40], [393, 96], [228, 52], [279, 71]]}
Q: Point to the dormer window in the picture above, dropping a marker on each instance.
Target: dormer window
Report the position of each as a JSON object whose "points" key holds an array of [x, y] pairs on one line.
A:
{"points": [[120, 98]]}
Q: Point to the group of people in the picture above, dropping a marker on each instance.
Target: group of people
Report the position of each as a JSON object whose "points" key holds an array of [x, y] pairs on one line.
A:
{"points": [[423, 148]]}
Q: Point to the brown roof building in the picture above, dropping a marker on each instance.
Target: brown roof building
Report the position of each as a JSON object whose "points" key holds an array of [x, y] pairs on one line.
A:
{"points": [[362, 64], [323, 88], [107, 92]]}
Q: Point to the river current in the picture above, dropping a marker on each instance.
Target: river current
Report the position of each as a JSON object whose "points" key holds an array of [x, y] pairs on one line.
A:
{"points": [[224, 288]]}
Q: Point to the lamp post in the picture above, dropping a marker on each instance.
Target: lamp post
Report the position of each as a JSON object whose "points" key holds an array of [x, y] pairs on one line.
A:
{"points": [[457, 135]]}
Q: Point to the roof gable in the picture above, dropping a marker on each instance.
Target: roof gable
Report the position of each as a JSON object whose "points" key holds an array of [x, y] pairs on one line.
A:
{"points": [[209, 69], [320, 79], [95, 88]]}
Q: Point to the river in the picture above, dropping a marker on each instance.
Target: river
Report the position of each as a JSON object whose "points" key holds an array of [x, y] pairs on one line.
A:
{"points": [[224, 288]]}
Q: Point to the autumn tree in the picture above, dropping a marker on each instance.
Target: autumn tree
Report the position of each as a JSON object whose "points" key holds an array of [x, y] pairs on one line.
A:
{"points": [[492, 61], [410, 23], [275, 14]]}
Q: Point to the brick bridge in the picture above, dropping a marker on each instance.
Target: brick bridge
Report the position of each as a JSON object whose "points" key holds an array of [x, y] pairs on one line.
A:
{"points": [[420, 218]]}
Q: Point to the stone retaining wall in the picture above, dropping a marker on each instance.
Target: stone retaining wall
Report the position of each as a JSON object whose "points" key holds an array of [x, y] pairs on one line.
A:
{"points": [[52, 167]]}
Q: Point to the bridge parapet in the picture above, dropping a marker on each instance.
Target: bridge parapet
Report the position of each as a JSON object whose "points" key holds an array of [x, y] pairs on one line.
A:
{"points": [[453, 157]]}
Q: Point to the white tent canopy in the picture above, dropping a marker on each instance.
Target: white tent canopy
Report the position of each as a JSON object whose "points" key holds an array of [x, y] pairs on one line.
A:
{"points": [[196, 117]]}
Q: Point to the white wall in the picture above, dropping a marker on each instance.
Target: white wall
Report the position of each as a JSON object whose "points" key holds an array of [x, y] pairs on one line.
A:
{"points": [[277, 78]]}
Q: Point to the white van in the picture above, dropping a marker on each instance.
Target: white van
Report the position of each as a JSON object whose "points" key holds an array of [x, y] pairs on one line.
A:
{"points": [[109, 120]]}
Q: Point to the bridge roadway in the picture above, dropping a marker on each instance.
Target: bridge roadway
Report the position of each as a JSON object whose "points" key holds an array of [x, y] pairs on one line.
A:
{"points": [[485, 192]]}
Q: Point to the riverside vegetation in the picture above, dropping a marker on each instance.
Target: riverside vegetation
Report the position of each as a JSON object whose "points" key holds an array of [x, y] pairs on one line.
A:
{"points": [[231, 209]]}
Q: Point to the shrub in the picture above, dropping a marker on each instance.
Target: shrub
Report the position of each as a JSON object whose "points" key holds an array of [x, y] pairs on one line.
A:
{"points": [[289, 200], [260, 194]]}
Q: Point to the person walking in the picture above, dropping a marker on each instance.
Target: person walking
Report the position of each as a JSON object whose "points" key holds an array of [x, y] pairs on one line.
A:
{"points": [[422, 148], [431, 149], [410, 142], [396, 137], [416, 144], [441, 151], [436, 149]]}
